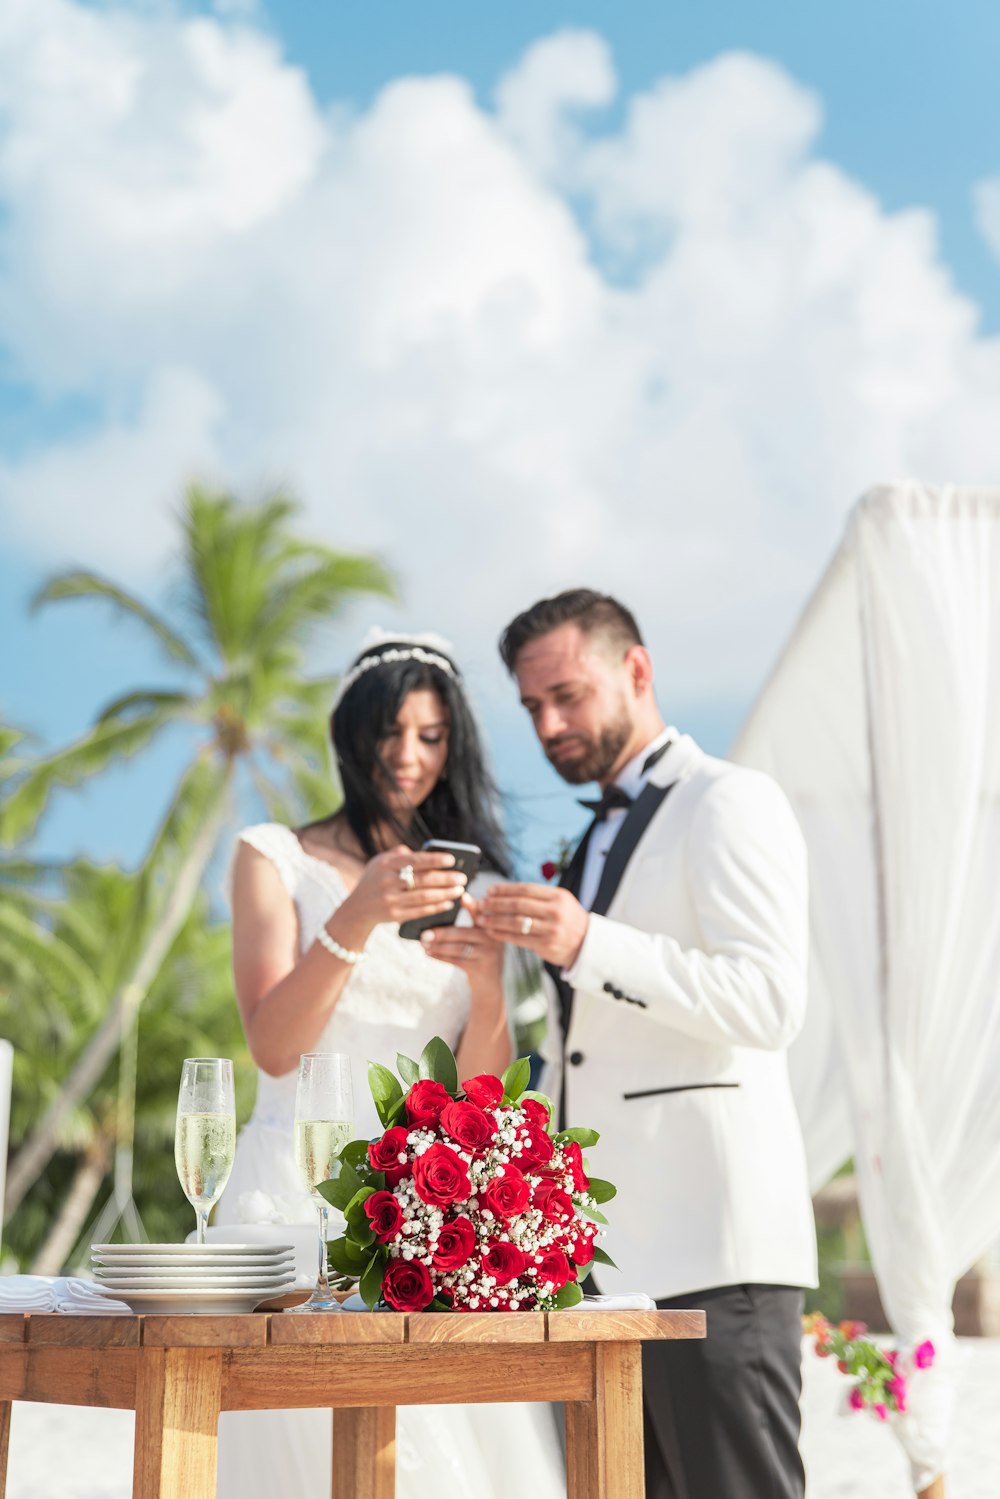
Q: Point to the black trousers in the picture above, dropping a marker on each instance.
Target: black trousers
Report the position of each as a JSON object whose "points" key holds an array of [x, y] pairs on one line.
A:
{"points": [[722, 1414]]}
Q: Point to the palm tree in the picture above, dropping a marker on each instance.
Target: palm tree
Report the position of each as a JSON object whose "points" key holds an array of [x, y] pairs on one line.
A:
{"points": [[98, 918], [252, 595]]}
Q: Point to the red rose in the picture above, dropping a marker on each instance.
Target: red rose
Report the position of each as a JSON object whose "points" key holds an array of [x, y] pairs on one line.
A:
{"points": [[385, 1215], [503, 1261], [441, 1177], [549, 870], [425, 1101], [406, 1285], [384, 1154], [455, 1244], [537, 1113], [556, 1206], [555, 1267], [573, 1155], [536, 1146], [582, 1247], [507, 1195], [468, 1126], [485, 1090]]}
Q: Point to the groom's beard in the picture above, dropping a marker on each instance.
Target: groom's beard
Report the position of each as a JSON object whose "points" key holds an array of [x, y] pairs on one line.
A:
{"points": [[595, 758]]}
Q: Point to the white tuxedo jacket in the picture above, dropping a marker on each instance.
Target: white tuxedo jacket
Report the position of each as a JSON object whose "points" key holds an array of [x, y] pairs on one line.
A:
{"points": [[689, 987]]}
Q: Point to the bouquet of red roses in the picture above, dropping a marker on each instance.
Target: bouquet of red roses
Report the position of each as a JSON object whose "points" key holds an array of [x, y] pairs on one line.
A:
{"points": [[470, 1200]]}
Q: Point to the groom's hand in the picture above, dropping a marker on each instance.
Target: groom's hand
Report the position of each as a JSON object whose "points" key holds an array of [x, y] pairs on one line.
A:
{"points": [[542, 918]]}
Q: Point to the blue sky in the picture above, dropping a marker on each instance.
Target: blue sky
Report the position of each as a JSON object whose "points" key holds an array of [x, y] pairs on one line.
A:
{"points": [[713, 508]]}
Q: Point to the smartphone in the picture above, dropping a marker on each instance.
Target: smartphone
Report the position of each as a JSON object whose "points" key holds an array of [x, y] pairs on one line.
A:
{"points": [[467, 857]]}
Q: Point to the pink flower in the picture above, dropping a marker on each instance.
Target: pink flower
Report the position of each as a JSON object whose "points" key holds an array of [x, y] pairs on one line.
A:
{"points": [[856, 1400], [881, 1411], [923, 1356], [891, 1356], [896, 1387]]}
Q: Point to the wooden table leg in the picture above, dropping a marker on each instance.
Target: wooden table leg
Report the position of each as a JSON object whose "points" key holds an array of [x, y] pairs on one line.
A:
{"points": [[604, 1435], [5, 1409], [177, 1400], [364, 1452]]}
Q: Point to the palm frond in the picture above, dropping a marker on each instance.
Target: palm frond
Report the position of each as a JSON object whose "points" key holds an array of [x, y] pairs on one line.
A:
{"points": [[324, 585], [85, 585], [22, 807], [49, 958], [147, 701]]}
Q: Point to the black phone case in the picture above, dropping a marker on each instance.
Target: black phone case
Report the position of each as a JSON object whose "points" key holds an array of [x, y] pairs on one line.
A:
{"points": [[467, 864]]}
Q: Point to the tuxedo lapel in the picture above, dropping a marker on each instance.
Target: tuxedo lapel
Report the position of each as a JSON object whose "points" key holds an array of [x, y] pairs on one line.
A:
{"points": [[639, 816], [569, 880]]}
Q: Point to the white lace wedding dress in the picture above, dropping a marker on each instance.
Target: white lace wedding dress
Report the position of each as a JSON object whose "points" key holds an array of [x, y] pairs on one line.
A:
{"points": [[396, 1000]]}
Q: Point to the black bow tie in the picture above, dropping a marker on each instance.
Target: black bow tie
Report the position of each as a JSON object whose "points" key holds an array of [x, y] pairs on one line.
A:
{"points": [[614, 798], [611, 800]]}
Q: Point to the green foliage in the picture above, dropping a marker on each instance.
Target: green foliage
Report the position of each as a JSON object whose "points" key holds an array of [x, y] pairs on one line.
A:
{"points": [[437, 1062], [515, 1079], [600, 1190]]}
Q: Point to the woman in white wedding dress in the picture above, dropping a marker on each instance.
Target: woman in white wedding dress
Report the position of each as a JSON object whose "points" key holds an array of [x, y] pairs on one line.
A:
{"points": [[319, 966]]}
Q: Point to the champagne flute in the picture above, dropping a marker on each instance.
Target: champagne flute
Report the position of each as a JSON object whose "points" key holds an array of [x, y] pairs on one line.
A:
{"points": [[205, 1140], [324, 1122]]}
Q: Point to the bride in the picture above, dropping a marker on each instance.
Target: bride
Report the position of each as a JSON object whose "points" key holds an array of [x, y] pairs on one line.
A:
{"points": [[319, 966]]}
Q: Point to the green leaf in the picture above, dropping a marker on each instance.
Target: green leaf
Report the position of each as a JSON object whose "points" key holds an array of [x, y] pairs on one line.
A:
{"points": [[437, 1061], [354, 1153], [357, 1219], [346, 1257], [601, 1257], [397, 1112], [408, 1069], [371, 1280], [583, 1137], [516, 1078], [592, 1214], [385, 1089], [570, 1295], [342, 1186], [600, 1190]]}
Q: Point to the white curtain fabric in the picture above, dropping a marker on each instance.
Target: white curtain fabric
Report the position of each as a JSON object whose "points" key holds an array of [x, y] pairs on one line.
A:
{"points": [[882, 723]]}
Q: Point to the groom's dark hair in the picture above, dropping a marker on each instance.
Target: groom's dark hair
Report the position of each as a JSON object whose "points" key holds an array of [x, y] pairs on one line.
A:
{"points": [[594, 613]]}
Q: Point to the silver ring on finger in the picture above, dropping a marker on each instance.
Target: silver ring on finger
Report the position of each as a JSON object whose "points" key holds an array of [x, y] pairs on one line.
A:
{"points": [[407, 878], [468, 951], [526, 925]]}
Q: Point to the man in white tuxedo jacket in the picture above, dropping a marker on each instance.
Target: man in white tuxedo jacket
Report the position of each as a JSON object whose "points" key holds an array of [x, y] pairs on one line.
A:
{"points": [[676, 948]]}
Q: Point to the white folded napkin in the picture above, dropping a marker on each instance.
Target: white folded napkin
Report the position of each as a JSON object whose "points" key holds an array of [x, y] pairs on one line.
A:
{"points": [[60, 1293], [625, 1301]]}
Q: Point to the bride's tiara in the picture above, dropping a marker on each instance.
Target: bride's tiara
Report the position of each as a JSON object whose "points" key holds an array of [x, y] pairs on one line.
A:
{"points": [[398, 648]]}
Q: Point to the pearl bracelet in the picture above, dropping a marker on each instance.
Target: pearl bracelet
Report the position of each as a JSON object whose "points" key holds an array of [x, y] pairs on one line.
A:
{"points": [[332, 945]]}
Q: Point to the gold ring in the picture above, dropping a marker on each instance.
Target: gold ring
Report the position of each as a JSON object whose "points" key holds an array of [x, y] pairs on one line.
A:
{"points": [[407, 877], [526, 925]]}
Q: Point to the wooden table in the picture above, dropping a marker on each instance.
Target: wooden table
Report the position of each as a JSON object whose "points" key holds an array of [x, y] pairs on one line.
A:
{"points": [[178, 1372]]}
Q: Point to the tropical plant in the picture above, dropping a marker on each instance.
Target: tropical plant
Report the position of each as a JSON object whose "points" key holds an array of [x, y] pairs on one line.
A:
{"points": [[98, 919], [250, 596]]}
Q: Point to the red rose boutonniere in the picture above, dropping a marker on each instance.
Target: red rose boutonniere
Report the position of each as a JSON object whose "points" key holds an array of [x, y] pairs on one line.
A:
{"points": [[554, 869]]}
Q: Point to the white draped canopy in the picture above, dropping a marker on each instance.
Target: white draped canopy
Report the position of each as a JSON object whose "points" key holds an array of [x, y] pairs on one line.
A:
{"points": [[882, 723]]}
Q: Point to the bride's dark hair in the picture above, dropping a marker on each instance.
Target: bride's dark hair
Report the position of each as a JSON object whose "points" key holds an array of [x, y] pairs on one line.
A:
{"points": [[462, 806]]}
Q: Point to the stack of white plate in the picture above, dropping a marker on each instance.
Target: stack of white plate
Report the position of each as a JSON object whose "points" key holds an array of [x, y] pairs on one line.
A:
{"points": [[194, 1277]]}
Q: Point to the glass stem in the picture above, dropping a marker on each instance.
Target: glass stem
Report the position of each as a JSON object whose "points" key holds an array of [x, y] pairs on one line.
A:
{"points": [[323, 1279], [202, 1216]]}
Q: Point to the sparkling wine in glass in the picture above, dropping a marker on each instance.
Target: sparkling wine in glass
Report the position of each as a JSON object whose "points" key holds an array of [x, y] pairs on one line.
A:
{"points": [[324, 1122], [205, 1139]]}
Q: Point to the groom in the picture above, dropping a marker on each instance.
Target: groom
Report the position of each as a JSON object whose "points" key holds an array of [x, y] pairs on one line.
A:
{"points": [[675, 948]]}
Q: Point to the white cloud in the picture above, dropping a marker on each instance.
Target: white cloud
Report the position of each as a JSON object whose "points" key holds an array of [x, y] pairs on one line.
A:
{"points": [[987, 206], [403, 314]]}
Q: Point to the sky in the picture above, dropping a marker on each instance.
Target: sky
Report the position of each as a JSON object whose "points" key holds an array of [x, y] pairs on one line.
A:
{"points": [[636, 296]]}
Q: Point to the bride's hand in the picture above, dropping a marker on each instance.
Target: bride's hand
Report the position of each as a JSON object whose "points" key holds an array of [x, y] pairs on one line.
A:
{"points": [[382, 894], [479, 956]]}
